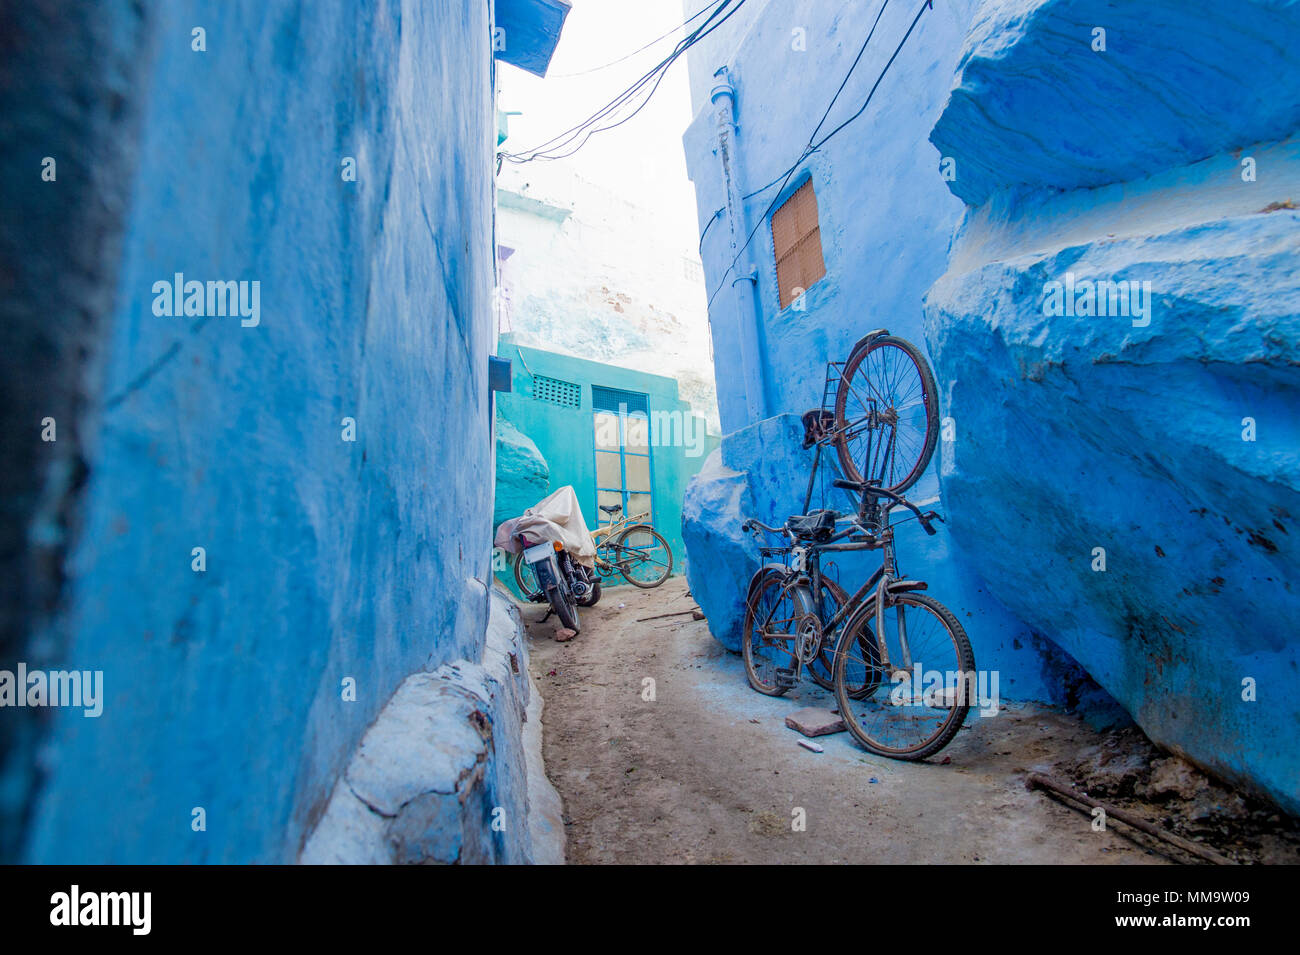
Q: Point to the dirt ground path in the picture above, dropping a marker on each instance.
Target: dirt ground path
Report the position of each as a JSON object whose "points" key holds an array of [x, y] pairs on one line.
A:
{"points": [[708, 772]]}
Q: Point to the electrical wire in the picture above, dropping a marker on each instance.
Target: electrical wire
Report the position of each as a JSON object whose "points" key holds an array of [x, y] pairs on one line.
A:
{"points": [[642, 49], [845, 82], [571, 140], [583, 131], [830, 106], [784, 177], [563, 139]]}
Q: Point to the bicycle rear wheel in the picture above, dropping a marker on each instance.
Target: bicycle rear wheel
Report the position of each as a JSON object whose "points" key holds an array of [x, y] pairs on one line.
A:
{"points": [[768, 642], [917, 708], [862, 681], [822, 667], [886, 414], [643, 556]]}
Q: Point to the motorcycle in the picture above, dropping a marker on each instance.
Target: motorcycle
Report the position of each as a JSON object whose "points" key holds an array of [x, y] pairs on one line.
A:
{"points": [[561, 581]]}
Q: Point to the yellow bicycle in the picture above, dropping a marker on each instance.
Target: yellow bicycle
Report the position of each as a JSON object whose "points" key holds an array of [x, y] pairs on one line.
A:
{"points": [[627, 546]]}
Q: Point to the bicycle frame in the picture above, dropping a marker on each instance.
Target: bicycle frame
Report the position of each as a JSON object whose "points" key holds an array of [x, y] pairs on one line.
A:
{"points": [[622, 556], [622, 523], [883, 581], [873, 420]]}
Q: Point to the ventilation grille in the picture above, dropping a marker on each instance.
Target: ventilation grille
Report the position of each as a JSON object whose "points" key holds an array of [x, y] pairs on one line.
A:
{"points": [[557, 392], [619, 402]]}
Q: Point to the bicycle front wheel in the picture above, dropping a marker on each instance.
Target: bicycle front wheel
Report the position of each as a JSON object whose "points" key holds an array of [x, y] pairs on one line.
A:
{"points": [[643, 556], [919, 700], [886, 414]]}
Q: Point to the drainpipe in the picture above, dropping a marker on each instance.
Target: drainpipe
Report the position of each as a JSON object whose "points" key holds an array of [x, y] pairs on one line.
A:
{"points": [[744, 279]]}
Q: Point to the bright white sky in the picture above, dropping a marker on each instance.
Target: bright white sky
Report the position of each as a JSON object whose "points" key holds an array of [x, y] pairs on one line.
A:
{"points": [[641, 161]]}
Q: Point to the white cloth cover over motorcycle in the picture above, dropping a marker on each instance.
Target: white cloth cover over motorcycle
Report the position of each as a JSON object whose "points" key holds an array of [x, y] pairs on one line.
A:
{"points": [[556, 517]]}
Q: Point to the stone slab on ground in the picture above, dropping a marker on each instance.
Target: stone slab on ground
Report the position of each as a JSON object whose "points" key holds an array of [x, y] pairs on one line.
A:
{"points": [[815, 721]]}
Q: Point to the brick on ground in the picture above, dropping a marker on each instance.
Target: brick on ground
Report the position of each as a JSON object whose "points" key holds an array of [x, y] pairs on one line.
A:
{"points": [[814, 721]]}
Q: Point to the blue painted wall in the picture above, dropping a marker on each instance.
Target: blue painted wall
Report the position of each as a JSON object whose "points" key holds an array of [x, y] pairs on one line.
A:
{"points": [[884, 213], [325, 558]]}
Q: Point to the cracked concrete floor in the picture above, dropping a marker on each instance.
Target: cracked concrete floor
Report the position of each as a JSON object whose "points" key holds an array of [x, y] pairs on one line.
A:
{"points": [[709, 773]]}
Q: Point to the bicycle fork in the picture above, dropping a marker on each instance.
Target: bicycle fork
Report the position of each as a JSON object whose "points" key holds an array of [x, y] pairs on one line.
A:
{"points": [[884, 600]]}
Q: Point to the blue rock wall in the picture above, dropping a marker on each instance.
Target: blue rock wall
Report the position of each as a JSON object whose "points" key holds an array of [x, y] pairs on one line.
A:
{"points": [[522, 475], [1169, 439], [325, 558]]}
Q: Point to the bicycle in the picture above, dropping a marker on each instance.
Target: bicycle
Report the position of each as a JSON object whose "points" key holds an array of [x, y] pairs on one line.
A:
{"points": [[789, 623], [628, 546]]}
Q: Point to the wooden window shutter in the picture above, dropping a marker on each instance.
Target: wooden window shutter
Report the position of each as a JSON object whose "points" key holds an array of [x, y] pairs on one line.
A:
{"points": [[796, 239]]}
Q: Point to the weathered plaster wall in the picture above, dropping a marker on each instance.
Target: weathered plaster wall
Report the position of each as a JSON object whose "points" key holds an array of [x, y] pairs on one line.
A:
{"points": [[595, 275], [1168, 158], [325, 558], [447, 774], [884, 213]]}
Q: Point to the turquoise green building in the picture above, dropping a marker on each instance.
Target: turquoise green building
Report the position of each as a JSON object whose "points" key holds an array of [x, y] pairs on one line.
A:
{"points": [[618, 436]]}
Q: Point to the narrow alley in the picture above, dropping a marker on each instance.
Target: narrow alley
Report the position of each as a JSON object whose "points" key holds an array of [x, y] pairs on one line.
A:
{"points": [[707, 772], [446, 433]]}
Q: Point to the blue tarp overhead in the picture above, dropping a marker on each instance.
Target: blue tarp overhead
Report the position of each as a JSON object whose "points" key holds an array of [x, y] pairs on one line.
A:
{"points": [[527, 32]]}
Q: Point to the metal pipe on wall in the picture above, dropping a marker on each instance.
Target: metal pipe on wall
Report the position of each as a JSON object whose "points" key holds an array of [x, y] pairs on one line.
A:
{"points": [[745, 281]]}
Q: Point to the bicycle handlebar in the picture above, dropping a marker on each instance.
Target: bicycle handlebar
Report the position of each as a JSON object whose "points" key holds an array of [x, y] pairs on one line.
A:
{"points": [[864, 488], [750, 524]]}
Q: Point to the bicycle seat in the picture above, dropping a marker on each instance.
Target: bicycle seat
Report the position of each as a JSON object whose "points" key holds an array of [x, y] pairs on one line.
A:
{"points": [[611, 508], [818, 525], [817, 423]]}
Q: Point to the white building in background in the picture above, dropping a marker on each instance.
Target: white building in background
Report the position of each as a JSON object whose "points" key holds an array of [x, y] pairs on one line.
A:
{"points": [[586, 272]]}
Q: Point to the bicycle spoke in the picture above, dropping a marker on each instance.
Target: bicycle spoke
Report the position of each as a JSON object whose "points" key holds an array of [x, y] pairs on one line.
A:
{"points": [[913, 710], [884, 396]]}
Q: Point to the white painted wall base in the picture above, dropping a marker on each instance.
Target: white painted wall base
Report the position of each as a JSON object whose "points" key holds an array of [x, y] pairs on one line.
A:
{"points": [[451, 771]]}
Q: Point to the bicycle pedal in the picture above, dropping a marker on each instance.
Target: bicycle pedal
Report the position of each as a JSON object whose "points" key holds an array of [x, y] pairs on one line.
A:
{"points": [[786, 678]]}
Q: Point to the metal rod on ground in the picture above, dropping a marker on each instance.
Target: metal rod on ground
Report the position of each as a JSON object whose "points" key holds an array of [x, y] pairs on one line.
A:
{"points": [[1035, 780], [679, 613]]}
